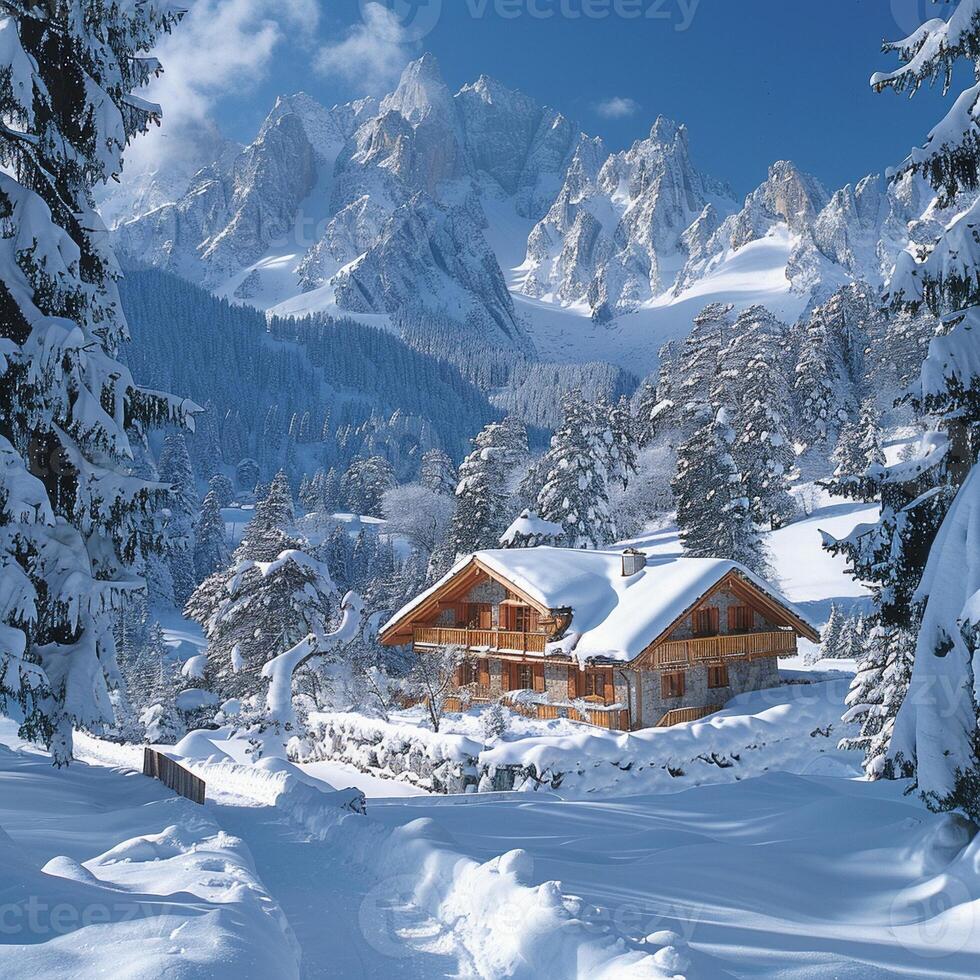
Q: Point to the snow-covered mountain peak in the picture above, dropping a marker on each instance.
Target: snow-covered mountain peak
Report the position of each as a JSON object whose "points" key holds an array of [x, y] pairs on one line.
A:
{"points": [[666, 131], [786, 195], [421, 93], [616, 239], [326, 129], [419, 199]]}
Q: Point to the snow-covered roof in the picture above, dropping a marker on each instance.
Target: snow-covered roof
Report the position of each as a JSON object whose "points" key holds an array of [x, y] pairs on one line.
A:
{"points": [[614, 617]]}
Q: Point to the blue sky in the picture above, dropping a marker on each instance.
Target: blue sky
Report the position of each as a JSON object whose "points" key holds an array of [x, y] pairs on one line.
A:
{"points": [[755, 80]]}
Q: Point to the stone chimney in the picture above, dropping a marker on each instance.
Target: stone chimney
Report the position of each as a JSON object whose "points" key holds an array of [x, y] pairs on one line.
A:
{"points": [[633, 562]]}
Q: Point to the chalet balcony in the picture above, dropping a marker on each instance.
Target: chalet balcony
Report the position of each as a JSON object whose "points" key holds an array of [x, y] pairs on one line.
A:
{"points": [[509, 641], [714, 649], [673, 654]]}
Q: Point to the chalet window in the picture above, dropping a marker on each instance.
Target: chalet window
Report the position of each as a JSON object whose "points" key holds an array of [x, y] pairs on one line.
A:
{"points": [[705, 621], [740, 619], [595, 684], [718, 676], [672, 684], [525, 677], [470, 672]]}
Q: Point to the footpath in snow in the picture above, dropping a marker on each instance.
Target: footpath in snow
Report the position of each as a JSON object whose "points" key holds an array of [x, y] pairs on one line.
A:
{"points": [[276, 876]]}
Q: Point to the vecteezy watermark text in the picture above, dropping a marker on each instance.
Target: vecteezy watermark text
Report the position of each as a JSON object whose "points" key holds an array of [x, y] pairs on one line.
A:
{"points": [[413, 19]]}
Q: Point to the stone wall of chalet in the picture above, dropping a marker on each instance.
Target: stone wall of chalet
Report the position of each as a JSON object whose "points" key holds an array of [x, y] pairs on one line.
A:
{"points": [[743, 676]]}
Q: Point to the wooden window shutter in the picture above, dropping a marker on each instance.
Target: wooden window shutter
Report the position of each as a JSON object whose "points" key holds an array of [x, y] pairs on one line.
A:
{"points": [[705, 621], [672, 684], [539, 677], [739, 618], [484, 673], [511, 671], [610, 685], [573, 682]]}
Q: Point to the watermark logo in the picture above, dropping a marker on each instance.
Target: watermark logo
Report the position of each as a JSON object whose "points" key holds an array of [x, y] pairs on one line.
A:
{"points": [[934, 919], [401, 21], [410, 20], [909, 15]]}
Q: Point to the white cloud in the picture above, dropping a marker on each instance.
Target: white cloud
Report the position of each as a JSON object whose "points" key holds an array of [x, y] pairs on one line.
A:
{"points": [[372, 55], [219, 48], [617, 107]]}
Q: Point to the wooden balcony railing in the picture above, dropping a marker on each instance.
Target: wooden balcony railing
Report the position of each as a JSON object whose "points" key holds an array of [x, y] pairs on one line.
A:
{"points": [[680, 715], [686, 653], [508, 640]]}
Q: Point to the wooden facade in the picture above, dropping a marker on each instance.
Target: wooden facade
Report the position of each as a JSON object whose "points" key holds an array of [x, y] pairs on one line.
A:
{"points": [[726, 642]]}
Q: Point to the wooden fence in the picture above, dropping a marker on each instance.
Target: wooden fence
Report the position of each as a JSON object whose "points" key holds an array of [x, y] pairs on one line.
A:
{"points": [[173, 775]]}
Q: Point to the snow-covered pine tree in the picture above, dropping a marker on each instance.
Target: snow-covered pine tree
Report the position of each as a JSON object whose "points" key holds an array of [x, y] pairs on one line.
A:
{"points": [[147, 671], [493, 722], [645, 404], [266, 600], [623, 447], [307, 494], [181, 509], [859, 446], [483, 492], [269, 529], [921, 572], [869, 426], [865, 699], [655, 402], [331, 492], [753, 373], [365, 483], [576, 489], [851, 645], [713, 513], [437, 472], [72, 519], [830, 635], [220, 485], [247, 474], [258, 611], [696, 369], [830, 366], [210, 538], [338, 553], [898, 652]]}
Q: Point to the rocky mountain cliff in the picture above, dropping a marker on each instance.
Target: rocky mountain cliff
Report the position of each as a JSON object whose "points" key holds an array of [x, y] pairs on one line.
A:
{"points": [[425, 202], [614, 236]]}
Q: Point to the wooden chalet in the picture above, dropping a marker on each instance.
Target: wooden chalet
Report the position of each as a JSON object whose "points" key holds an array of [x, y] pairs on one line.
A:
{"points": [[617, 640]]}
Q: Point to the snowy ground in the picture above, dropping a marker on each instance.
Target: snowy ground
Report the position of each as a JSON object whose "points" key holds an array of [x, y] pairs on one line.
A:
{"points": [[777, 876], [785, 864], [99, 866]]}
